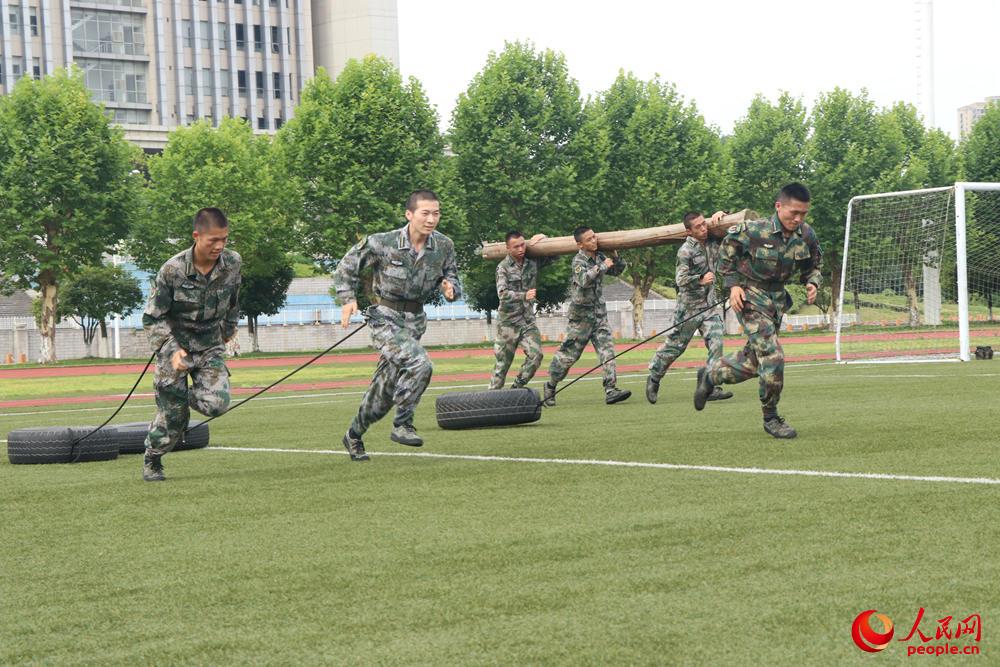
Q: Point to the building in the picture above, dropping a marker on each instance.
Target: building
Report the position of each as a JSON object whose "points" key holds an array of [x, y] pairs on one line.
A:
{"points": [[969, 114], [158, 64]]}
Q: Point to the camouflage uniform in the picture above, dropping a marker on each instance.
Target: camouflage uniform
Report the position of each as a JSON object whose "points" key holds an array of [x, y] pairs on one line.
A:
{"points": [[196, 313], [403, 281], [757, 257], [694, 260], [516, 319], [588, 319]]}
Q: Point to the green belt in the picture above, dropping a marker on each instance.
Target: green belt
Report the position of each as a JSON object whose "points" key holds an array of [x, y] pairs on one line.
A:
{"points": [[402, 306]]}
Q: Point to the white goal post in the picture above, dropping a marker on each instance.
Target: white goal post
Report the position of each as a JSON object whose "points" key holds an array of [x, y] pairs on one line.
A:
{"points": [[920, 272]]}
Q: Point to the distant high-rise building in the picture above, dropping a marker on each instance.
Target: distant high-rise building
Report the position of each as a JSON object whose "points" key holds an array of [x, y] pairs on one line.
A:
{"points": [[970, 113], [158, 64]]}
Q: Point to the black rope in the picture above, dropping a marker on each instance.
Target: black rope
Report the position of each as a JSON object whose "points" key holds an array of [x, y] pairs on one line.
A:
{"points": [[76, 458], [288, 375], [643, 342]]}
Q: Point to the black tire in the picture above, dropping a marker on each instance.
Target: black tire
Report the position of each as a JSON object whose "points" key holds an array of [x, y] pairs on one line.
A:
{"points": [[497, 407], [131, 437], [55, 444]]}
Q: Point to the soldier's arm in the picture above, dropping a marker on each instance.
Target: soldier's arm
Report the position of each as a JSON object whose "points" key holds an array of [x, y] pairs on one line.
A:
{"points": [[348, 273], [619, 265], [684, 276], [812, 273], [154, 318], [506, 295], [734, 247], [232, 321], [450, 273], [585, 277]]}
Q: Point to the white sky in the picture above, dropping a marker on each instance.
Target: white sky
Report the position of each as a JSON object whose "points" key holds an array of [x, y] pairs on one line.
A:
{"points": [[719, 54]]}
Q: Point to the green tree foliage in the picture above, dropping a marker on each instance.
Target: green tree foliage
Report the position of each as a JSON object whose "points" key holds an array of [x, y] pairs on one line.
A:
{"points": [[356, 148], [228, 168], [96, 292], [264, 295], [766, 151], [663, 162], [66, 193], [981, 149], [527, 157]]}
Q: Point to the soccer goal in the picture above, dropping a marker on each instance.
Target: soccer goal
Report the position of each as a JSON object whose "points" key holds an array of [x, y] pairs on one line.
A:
{"points": [[920, 274]]}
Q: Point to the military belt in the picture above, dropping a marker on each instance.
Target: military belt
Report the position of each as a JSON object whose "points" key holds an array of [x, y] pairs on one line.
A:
{"points": [[401, 305], [767, 285]]}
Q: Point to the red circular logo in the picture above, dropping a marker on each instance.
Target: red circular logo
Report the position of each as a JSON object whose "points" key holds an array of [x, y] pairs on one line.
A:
{"points": [[866, 637]]}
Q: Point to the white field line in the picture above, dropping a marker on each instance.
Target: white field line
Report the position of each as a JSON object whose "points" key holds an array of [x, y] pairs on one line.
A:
{"points": [[634, 464]]}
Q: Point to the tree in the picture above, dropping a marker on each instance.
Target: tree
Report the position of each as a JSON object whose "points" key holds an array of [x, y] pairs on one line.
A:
{"points": [[264, 295], [356, 148], [981, 148], [95, 293], [766, 151], [66, 190], [228, 168], [663, 162], [527, 157]]}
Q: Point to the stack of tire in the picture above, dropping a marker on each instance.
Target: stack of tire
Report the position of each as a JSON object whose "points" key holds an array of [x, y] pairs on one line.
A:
{"points": [[63, 444]]}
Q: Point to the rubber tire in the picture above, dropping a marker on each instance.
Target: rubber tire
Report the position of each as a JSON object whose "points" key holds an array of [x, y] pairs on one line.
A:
{"points": [[496, 407], [54, 444], [131, 437]]}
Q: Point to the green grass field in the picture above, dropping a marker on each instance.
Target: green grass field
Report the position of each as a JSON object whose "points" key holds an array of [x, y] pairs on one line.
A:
{"points": [[422, 557]]}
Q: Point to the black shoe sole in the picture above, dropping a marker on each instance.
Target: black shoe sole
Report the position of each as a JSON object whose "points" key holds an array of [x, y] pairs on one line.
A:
{"points": [[782, 437], [726, 395], [408, 444], [700, 393]]}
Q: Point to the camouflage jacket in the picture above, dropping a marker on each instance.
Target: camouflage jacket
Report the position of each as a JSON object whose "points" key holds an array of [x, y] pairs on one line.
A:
{"points": [[694, 260], [399, 273], [585, 282], [756, 254], [513, 282], [196, 310]]}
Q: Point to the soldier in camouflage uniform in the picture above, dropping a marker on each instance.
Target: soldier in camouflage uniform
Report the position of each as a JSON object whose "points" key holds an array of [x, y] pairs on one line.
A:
{"points": [[758, 260], [193, 311], [588, 318], [517, 280], [409, 266], [697, 262]]}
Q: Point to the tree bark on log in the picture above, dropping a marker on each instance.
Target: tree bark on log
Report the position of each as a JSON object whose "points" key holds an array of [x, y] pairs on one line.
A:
{"points": [[620, 240]]}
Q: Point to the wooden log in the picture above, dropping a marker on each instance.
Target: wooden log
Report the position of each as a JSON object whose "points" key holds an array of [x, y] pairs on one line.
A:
{"points": [[622, 240]]}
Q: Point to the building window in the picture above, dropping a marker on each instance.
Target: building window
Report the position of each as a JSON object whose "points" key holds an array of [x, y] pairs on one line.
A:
{"points": [[278, 122], [261, 123], [276, 80], [206, 35], [275, 39], [108, 32], [129, 116], [291, 88], [241, 82], [15, 21], [207, 82], [16, 71], [36, 68], [259, 83], [258, 39], [288, 39], [225, 82], [241, 35], [223, 36], [187, 33], [115, 81], [189, 84], [33, 20]]}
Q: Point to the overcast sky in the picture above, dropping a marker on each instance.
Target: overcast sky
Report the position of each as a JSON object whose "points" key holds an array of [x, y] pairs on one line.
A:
{"points": [[719, 54]]}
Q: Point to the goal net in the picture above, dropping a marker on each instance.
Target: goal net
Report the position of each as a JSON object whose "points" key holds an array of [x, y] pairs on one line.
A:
{"points": [[920, 275]]}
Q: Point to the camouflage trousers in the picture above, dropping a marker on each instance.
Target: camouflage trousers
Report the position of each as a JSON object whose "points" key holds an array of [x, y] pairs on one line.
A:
{"points": [[677, 340], [511, 335], [579, 332], [762, 355], [403, 371], [208, 394]]}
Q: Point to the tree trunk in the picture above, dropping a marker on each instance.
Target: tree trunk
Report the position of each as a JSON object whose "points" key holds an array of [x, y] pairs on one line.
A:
{"points": [[638, 310], [105, 347], [50, 301], [252, 330], [913, 305], [836, 269]]}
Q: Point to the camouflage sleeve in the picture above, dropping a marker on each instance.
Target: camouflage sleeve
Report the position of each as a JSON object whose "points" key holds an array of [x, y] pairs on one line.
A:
{"points": [[506, 295], [683, 276], [585, 277], [232, 321], [734, 247], [154, 318], [812, 273], [450, 272], [348, 273]]}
